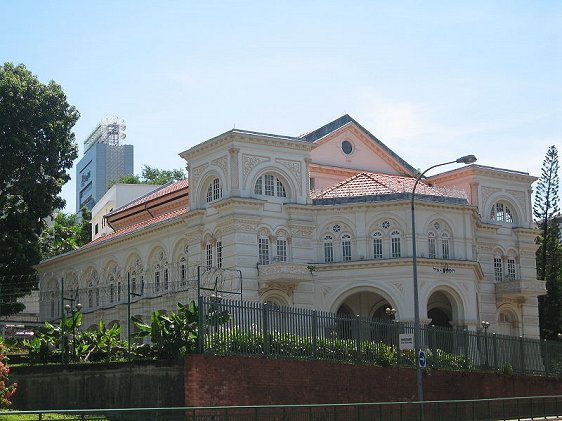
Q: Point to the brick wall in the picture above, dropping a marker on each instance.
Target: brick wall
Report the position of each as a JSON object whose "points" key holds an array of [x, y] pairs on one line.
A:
{"points": [[114, 385], [211, 380]]}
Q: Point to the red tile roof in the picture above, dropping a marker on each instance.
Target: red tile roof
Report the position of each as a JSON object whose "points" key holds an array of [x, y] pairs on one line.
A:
{"points": [[162, 191], [373, 184], [138, 226]]}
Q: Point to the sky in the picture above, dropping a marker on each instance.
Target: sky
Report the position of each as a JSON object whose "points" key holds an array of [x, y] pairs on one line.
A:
{"points": [[433, 80]]}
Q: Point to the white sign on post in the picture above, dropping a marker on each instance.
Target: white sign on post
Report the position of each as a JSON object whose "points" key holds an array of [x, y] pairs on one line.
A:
{"points": [[406, 341]]}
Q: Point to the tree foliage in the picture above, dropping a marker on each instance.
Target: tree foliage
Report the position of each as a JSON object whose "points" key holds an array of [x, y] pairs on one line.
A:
{"points": [[68, 232], [37, 148], [152, 175], [549, 253]]}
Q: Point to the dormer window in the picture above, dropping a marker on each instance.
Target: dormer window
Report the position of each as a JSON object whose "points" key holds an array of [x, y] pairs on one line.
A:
{"points": [[214, 191], [501, 213], [269, 185]]}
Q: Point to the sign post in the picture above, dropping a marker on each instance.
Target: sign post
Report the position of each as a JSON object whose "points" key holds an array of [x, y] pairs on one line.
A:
{"points": [[422, 360], [406, 341]]}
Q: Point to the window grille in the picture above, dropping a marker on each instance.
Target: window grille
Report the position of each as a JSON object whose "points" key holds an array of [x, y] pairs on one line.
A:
{"points": [[346, 248], [498, 269], [395, 244], [263, 251], [281, 250]]}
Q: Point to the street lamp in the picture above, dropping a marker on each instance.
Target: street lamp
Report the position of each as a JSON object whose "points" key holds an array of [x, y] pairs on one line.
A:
{"points": [[485, 326], [390, 312], [467, 159], [71, 311]]}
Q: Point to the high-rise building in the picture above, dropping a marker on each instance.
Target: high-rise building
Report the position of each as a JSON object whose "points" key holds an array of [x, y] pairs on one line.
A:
{"points": [[104, 160]]}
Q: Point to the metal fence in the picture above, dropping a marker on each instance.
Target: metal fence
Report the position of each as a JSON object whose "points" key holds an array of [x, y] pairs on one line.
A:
{"points": [[523, 408], [251, 328]]}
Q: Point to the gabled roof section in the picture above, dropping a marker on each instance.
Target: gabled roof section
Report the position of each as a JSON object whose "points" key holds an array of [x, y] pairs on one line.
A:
{"points": [[138, 226], [161, 201], [166, 189], [345, 120], [368, 186]]}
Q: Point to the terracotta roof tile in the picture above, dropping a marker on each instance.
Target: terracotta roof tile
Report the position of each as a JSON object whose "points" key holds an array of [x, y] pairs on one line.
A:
{"points": [[138, 226], [162, 191], [373, 184]]}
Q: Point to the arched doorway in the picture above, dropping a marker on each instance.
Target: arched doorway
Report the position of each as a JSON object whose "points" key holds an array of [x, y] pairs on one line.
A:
{"points": [[439, 318], [374, 321], [441, 310]]}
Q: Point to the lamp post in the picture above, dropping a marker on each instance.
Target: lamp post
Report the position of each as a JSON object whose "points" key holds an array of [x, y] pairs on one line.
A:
{"points": [[390, 312], [72, 310], [485, 326], [467, 159]]}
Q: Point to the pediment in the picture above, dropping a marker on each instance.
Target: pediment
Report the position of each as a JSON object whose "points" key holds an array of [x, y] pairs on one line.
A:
{"points": [[352, 146]]}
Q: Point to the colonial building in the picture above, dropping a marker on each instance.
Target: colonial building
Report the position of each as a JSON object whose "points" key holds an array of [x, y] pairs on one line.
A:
{"points": [[322, 221]]}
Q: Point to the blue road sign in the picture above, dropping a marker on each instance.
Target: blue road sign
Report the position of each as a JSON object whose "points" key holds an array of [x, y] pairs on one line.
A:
{"points": [[422, 360]]}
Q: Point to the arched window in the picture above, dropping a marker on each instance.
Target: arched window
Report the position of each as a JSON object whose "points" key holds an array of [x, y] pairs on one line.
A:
{"points": [[183, 271], [328, 249], [269, 185], [133, 281], [395, 244], [377, 245], [431, 245], [209, 256], [263, 250], [445, 245], [214, 191], [498, 268], [157, 269], [507, 323], [219, 254], [501, 212], [511, 272], [281, 249], [346, 247]]}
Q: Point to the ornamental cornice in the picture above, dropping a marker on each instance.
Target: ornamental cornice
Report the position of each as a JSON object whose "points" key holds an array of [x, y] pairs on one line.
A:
{"points": [[477, 170], [237, 202], [520, 288], [233, 137], [379, 263], [532, 232], [301, 230], [401, 203]]}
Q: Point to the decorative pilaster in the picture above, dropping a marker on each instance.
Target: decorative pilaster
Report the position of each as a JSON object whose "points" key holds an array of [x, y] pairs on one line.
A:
{"points": [[234, 171]]}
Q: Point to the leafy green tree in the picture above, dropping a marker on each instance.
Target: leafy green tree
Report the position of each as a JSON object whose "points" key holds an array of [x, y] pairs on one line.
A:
{"points": [[37, 148], [549, 253], [127, 179], [156, 176], [152, 175], [68, 232], [171, 335]]}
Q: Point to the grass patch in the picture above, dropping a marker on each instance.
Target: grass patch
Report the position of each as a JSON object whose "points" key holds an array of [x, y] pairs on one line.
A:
{"points": [[16, 416]]}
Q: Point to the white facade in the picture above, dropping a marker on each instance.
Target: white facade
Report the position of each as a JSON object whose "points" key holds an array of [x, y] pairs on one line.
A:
{"points": [[345, 247], [118, 195]]}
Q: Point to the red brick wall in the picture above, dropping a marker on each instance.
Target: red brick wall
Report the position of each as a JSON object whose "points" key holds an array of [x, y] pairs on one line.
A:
{"points": [[211, 381]]}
